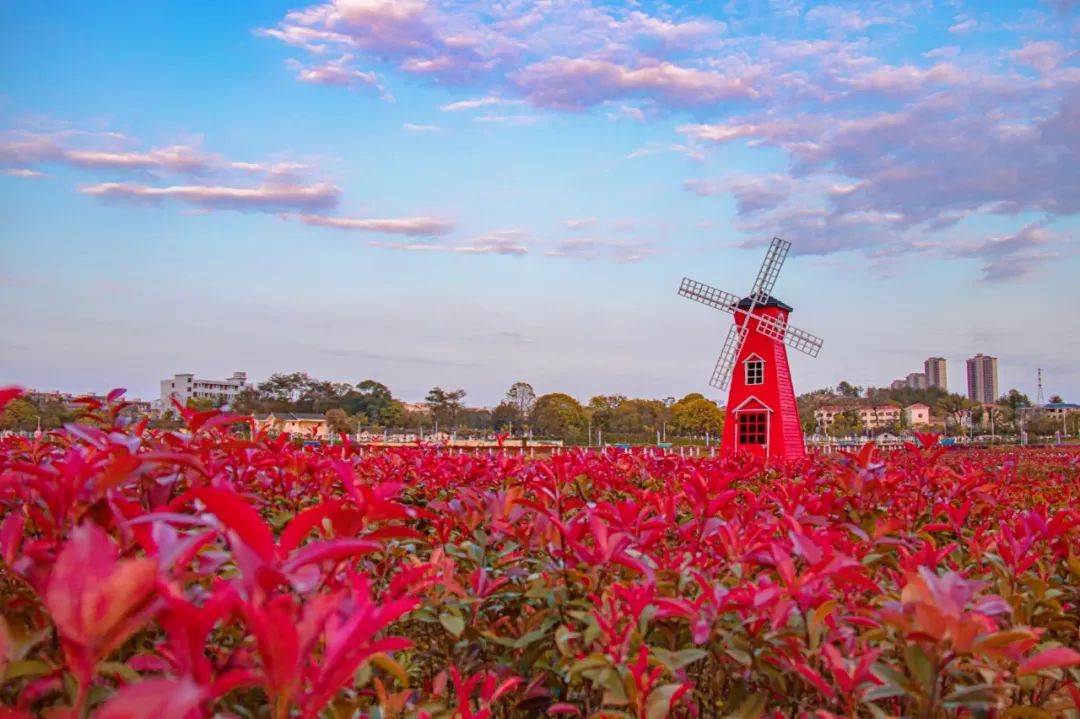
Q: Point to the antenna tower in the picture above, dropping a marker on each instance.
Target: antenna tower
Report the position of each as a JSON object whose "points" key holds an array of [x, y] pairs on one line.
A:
{"points": [[1039, 402]]}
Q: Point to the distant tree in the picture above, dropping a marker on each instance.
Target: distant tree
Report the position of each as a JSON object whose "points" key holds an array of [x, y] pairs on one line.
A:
{"points": [[391, 415], [953, 407], [697, 416], [506, 416], [341, 422], [846, 389], [200, 404], [1056, 399], [445, 405], [845, 424], [19, 415], [370, 398], [521, 397], [602, 409], [1014, 399], [559, 415], [54, 414]]}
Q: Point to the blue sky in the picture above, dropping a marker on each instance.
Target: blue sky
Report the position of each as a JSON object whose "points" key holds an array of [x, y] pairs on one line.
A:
{"points": [[469, 194]]}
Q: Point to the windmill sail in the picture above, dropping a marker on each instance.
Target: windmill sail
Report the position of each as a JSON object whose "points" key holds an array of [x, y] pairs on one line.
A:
{"points": [[770, 269], [721, 375], [793, 337], [708, 295]]}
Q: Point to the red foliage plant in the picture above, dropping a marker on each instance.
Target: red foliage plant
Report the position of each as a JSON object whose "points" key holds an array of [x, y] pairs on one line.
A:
{"points": [[216, 572]]}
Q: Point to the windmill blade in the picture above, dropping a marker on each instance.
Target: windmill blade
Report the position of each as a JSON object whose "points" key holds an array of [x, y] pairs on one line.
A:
{"points": [[791, 336], [770, 269], [721, 375], [707, 295]]}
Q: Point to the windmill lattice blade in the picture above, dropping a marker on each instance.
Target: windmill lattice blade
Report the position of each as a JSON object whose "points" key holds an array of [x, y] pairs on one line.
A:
{"points": [[707, 295], [791, 336], [721, 375], [770, 269]]}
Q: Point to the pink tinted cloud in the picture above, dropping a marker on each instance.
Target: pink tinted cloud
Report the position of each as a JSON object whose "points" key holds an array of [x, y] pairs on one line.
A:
{"points": [[23, 172], [427, 226], [1044, 56], [26, 149], [1011, 257], [906, 79], [108, 152], [219, 197], [586, 248], [574, 84], [580, 223], [472, 104], [845, 19], [509, 243], [478, 41], [336, 73]]}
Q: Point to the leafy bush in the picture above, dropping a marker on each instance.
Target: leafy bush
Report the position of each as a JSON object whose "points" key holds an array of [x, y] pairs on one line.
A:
{"points": [[200, 572]]}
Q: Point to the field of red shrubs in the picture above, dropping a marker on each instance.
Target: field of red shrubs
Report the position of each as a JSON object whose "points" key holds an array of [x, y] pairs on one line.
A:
{"points": [[206, 572]]}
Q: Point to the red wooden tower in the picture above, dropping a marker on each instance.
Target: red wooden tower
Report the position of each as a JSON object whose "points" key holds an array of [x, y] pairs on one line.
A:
{"points": [[761, 414]]}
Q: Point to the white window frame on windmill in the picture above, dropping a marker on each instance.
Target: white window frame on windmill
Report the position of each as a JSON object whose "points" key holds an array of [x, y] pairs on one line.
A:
{"points": [[754, 365], [767, 410]]}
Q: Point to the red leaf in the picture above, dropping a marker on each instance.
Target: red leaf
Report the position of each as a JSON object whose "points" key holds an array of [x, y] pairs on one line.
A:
{"points": [[301, 525], [11, 533], [153, 699], [95, 600], [1058, 657], [240, 517], [335, 549]]}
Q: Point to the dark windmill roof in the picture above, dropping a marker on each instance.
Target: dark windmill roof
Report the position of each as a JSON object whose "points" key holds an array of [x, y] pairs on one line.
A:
{"points": [[770, 301]]}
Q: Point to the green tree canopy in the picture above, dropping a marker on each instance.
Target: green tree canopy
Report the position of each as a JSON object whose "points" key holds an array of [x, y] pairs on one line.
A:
{"points": [[19, 415], [697, 416], [446, 405], [559, 415]]}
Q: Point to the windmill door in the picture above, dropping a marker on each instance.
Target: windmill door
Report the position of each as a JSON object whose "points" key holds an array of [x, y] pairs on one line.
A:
{"points": [[752, 424]]}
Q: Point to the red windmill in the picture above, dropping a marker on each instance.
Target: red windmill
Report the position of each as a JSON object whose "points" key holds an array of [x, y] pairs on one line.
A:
{"points": [[761, 414]]}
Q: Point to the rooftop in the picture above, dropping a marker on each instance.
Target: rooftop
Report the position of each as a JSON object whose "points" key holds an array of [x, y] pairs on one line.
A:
{"points": [[770, 301]]}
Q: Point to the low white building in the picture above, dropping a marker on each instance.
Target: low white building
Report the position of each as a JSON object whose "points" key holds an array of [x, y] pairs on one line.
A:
{"points": [[871, 416], [183, 387], [917, 414]]}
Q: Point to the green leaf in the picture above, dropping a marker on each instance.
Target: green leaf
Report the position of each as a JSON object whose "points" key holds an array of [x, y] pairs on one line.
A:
{"points": [[921, 666], [674, 661], [26, 668], [526, 639], [658, 705], [753, 707], [118, 669], [889, 675], [453, 622], [975, 696]]}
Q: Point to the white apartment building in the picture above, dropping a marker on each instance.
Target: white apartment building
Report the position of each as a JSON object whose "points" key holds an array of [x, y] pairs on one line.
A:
{"points": [[936, 375], [917, 380], [982, 378], [183, 387]]}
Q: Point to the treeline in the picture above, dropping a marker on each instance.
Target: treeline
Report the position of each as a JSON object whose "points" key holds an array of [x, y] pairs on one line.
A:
{"points": [[371, 405]]}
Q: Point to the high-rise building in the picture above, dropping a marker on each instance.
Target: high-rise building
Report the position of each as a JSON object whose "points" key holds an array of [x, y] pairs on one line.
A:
{"points": [[935, 373], [982, 378], [916, 380]]}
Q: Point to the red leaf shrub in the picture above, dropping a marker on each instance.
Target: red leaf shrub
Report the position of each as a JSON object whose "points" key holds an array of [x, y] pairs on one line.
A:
{"points": [[208, 572]]}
